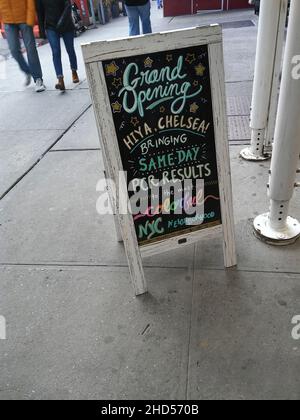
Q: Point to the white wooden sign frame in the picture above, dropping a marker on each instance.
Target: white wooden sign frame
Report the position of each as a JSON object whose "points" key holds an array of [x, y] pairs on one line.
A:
{"points": [[97, 52]]}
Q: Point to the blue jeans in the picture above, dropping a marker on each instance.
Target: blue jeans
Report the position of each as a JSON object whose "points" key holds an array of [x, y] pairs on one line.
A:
{"points": [[54, 41], [33, 66], [159, 4], [135, 13]]}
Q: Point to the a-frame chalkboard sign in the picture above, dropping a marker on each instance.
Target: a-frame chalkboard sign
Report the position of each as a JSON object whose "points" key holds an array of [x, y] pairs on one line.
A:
{"points": [[159, 102]]}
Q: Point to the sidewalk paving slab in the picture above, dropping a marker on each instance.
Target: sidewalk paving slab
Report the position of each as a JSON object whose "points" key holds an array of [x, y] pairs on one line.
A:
{"points": [[15, 160], [80, 334], [239, 89], [239, 61], [82, 135], [82, 85], [31, 124], [44, 111], [241, 343]]}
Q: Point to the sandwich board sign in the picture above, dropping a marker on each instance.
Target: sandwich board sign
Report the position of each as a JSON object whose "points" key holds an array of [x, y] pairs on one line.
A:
{"points": [[159, 102]]}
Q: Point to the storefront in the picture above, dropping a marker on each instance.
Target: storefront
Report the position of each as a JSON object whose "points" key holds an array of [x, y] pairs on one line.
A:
{"points": [[188, 7]]}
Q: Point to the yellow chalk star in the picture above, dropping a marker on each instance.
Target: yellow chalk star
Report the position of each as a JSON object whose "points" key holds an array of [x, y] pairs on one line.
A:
{"points": [[200, 69], [162, 109], [135, 121], [111, 69], [148, 63], [190, 58], [117, 83], [169, 57], [117, 107], [194, 108]]}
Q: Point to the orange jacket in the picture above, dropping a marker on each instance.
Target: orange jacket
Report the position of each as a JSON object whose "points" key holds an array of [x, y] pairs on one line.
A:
{"points": [[17, 11]]}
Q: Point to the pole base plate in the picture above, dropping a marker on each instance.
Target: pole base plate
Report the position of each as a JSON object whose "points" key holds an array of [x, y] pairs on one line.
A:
{"points": [[267, 234], [246, 154]]}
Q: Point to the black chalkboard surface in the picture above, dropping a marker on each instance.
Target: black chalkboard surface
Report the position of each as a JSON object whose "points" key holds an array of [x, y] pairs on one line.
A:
{"points": [[163, 117]]}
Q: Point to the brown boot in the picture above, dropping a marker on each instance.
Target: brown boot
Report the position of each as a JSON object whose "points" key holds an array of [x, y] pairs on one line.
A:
{"points": [[60, 84], [75, 76]]}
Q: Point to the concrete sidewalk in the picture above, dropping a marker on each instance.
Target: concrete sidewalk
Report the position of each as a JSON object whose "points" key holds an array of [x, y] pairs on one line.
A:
{"points": [[74, 329]]}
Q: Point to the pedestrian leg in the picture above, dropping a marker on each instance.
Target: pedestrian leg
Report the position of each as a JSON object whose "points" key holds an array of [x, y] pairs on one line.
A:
{"points": [[134, 20], [54, 41], [145, 12], [12, 34], [68, 38], [32, 54]]}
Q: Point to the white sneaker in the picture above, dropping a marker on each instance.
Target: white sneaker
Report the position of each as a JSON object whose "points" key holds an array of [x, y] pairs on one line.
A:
{"points": [[27, 80], [39, 86]]}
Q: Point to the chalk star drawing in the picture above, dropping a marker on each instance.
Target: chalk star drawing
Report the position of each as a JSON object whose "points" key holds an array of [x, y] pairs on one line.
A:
{"points": [[162, 109], [194, 108], [112, 69], [117, 107], [169, 58], [200, 69], [148, 63], [134, 121], [117, 82], [196, 83], [190, 58]]}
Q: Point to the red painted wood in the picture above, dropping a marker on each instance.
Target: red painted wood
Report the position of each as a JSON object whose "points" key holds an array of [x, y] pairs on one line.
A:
{"points": [[186, 7], [207, 5], [237, 4], [177, 7]]}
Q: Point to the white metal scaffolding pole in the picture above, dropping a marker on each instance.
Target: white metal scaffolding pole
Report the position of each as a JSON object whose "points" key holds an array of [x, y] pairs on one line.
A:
{"points": [[276, 227], [268, 46], [270, 131]]}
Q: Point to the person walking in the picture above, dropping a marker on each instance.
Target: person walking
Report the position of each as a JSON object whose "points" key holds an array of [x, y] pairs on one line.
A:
{"points": [[138, 10], [159, 4], [18, 17], [56, 22]]}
